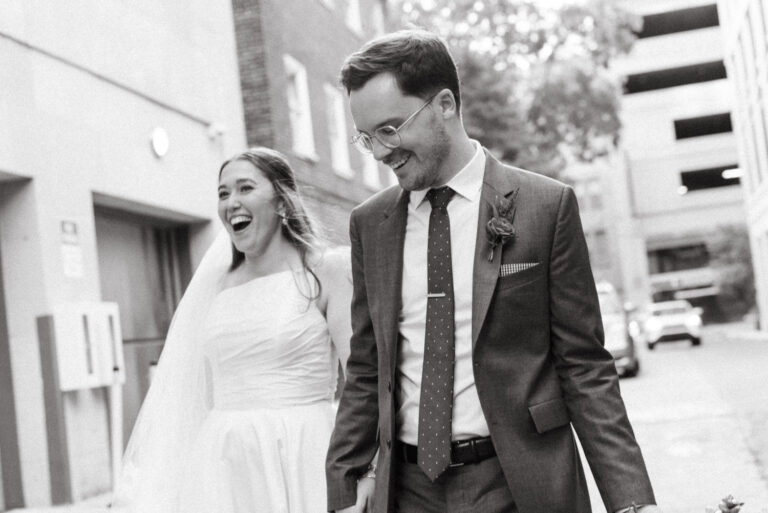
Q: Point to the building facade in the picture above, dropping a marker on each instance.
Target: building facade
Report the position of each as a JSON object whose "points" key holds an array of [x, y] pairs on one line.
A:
{"points": [[616, 246], [745, 32], [114, 119], [681, 155], [290, 55]]}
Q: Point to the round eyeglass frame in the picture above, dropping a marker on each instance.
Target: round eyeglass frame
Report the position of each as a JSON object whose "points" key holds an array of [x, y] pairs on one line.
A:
{"points": [[364, 142]]}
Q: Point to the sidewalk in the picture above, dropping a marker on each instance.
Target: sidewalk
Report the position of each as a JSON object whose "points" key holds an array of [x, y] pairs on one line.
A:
{"points": [[738, 331]]}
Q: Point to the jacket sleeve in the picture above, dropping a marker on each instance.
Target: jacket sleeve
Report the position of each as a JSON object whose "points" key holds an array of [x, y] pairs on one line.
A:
{"points": [[586, 369], [353, 443]]}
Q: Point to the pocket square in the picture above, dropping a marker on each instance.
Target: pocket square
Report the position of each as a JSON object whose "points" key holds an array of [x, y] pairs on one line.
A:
{"points": [[507, 269]]}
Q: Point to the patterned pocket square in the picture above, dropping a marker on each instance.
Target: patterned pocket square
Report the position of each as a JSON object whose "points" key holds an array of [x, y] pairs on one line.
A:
{"points": [[508, 269]]}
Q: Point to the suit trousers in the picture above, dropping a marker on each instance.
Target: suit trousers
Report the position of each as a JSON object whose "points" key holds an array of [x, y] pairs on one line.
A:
{"points": [[475, 488]]}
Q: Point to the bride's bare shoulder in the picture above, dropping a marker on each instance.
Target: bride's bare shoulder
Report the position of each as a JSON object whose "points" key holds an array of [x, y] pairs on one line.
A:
{"points": [[332, 265]]}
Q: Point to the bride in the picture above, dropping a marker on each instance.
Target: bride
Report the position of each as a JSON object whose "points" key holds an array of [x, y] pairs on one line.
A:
{"points": [[239, 415]]}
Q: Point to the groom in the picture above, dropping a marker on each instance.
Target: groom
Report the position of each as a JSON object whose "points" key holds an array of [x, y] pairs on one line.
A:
{"points": [[477, 339]]}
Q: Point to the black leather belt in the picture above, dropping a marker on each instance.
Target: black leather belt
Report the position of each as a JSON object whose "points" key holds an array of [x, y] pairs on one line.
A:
{"points": [[463, 452]]}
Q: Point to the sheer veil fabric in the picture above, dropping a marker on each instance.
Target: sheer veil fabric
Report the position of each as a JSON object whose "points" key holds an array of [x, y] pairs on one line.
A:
{"points": [[178, 400]]}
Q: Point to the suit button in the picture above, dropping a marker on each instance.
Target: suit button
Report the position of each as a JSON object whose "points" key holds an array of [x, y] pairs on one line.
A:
{"points": [[389, 443]]}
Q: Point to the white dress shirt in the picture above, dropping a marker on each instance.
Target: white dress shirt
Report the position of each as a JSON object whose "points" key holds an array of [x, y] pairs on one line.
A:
{"points": [[463, 211]]}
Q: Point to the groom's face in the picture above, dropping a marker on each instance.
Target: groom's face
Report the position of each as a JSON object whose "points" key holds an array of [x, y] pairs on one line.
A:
{"points": [[424, 142]]}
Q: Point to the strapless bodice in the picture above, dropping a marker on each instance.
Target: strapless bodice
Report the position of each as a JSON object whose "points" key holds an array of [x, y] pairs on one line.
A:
{"points": [[267, 345]]}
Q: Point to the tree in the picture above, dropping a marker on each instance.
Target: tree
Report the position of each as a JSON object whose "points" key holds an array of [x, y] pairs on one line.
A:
{"points": [[536, 88], [731, 258]]}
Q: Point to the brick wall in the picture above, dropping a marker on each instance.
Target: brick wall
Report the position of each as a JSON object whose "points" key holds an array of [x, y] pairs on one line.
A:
{"points": [[254, 78], [318, 37]]}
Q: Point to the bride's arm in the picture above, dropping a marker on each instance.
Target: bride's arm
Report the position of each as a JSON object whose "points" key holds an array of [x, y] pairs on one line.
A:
{"points": [[335, 276]]}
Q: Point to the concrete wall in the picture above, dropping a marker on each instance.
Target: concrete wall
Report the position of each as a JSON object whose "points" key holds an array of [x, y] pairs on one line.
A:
{"points": [[663, 215], [744, 23], [624, 264], [89, 83]]}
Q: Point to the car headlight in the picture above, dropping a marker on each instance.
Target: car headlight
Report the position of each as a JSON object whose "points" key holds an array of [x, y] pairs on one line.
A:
{"points": [[653, 325]]}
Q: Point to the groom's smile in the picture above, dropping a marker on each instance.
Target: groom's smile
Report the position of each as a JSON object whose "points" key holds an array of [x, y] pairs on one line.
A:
{"points": [[418, 160], [397, 164]]}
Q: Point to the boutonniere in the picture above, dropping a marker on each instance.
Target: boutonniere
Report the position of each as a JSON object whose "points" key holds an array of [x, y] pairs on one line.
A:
{"points": [[499, 228]]}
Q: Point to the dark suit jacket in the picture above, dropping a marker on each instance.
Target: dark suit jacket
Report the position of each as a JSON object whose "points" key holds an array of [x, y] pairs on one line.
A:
{"points": [[539, 362]]}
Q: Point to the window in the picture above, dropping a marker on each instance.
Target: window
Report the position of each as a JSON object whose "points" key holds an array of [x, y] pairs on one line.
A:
{"points": [[298, 108], [710, 178], [673, 77], [353, 16], [337, 131], [681, 258], [703, 125], [679, 21], [371, 175]]}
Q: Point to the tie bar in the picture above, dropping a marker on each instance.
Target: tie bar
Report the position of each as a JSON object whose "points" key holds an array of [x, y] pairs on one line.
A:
{"points": [[436, 294]]}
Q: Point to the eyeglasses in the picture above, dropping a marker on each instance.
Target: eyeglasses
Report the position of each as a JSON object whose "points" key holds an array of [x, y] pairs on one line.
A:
{"points": [[388, 136]]}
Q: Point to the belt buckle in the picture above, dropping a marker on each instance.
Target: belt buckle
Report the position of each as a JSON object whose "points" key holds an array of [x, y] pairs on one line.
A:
{"points": [[466, 443]]}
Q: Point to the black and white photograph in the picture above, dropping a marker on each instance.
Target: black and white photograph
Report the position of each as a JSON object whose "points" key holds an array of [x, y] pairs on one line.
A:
{"points": [[384, 256]]}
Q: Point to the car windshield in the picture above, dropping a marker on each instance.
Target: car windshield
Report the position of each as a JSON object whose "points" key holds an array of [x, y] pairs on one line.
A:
{"points": [[609, 304], [670, 310]]}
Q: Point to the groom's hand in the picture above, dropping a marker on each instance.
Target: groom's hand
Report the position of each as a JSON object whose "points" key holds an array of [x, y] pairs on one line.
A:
{"points": [[649, 508], [365, 488]]}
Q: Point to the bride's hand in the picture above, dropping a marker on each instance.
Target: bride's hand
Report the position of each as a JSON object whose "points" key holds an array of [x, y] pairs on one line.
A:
{"points": [[364, 504]]}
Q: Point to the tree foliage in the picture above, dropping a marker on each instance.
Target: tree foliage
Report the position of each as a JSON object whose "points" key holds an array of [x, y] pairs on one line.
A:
{"points": [[731, 258], [536, 86]]}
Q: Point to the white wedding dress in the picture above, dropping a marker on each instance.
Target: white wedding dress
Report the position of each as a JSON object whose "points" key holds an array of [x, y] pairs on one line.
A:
{"points": [[269, 364]]}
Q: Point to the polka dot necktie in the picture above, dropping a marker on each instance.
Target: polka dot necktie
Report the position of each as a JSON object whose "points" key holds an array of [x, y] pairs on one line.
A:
{"points": [[436, 403]]}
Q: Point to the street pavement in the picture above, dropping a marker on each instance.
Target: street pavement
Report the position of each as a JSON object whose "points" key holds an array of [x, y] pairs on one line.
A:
{"points": [[700, 415]]}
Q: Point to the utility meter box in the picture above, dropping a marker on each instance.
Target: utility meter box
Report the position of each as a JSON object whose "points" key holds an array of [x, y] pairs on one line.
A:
{"points": [[86, 344]]}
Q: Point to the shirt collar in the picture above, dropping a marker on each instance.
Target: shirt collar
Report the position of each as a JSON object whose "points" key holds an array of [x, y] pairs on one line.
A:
{"points": [[467, 182]]}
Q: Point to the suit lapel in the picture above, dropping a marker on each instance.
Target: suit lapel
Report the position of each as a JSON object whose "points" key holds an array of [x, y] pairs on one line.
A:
{"points": [[496, 183], [389, 268]]}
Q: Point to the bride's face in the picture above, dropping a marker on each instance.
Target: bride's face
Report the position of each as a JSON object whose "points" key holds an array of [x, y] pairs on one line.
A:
{"points": [[247, 207]]}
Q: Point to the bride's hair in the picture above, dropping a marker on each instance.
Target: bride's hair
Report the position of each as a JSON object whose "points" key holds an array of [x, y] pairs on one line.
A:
{"points": [[297, 226]]}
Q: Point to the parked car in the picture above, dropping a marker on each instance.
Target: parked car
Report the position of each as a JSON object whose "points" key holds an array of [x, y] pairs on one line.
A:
{"points": [[672, 320], [618, 328]]}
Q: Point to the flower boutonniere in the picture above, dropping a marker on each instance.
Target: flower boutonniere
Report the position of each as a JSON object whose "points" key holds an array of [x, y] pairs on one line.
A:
{"points": [[499, 227]]}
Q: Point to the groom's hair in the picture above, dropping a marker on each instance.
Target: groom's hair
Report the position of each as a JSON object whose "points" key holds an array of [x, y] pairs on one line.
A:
{"points": [[418, 59]]}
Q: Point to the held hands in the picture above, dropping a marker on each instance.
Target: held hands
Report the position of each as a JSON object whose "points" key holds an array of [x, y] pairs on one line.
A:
{"points": [[365, 488]]}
